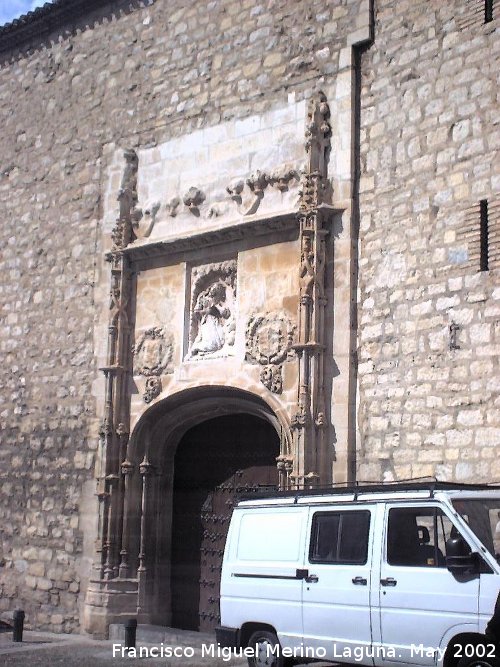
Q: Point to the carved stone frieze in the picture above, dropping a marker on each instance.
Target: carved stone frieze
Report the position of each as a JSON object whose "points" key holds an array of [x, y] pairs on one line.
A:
{"points": [[135, 222], [152, 389], [193, 199], [153, 353], [172, 206], [271, 377], [212, 314], [258, 182], [235, 188], [248, 193], [144, 221], [269, 338], [283, 178], [214, 211], [248, 199]]}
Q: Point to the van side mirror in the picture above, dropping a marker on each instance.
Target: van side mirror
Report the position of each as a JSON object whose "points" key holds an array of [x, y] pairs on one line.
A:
{"points": [[459, 558]]}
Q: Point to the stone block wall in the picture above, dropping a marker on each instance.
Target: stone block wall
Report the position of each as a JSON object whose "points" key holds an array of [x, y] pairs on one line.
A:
{"points": [[127, 74], [429, 329], [140, 74]]}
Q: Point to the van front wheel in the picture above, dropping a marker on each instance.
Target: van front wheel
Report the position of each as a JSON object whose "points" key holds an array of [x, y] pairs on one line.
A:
{"points": [[266, 650], [479, 662]]}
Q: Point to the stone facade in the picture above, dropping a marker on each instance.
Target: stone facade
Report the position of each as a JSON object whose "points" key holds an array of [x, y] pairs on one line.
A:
{"points": [[173, 184]]}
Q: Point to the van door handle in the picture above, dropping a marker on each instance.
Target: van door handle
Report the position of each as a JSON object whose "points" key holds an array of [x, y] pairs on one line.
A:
{"points": [[359, 581], [312, 579], [388, 582]]}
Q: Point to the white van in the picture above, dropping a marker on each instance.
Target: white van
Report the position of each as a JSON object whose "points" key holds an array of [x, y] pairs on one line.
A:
{"points": [[375, 575]]}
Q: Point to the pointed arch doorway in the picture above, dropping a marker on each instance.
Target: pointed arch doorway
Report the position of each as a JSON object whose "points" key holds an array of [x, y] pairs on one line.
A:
{"points": [[214, 461]]}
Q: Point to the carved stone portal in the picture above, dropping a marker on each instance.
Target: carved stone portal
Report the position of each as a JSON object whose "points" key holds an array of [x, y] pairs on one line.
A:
{"points": [[153, 353], [212, 313], [269, 338]]}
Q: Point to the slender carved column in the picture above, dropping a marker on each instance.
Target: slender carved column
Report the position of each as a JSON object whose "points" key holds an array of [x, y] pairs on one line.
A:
{"points": [[110, 544], [114, 430], [101, 492], [127, 471], [122, 433], [309, 420], [147, 470]]}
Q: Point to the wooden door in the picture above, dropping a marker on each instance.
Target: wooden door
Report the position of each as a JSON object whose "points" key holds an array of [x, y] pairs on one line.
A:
{"points": [[216, 461]]}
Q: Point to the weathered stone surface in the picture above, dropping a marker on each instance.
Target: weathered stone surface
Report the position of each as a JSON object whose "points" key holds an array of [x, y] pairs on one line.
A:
{"points": [[433, 70], [148, 76], [213, 99]]}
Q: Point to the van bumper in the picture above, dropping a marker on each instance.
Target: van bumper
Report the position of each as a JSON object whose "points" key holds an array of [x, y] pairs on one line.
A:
{"points": [[227, 637]]}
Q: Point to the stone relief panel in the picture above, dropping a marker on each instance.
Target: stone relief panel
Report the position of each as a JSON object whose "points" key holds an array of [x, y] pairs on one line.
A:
{"points": [[153, 353], [243, 196], [269, 340], [212, 310], [213, 176]]}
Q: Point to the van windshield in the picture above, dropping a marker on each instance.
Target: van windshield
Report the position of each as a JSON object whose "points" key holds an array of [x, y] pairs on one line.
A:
{"points": [[483, 517]]}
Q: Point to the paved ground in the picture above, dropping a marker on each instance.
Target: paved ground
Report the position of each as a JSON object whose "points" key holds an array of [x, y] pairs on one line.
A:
{"points": [[48, 650], [44, 649]]}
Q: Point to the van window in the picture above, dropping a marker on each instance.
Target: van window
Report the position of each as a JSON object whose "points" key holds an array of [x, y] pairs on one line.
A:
{"points": [[483, 516], [340, 537], [416, 536]]}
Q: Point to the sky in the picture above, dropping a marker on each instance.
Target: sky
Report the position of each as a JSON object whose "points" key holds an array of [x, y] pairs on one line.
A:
{"points": [[12, 9]]}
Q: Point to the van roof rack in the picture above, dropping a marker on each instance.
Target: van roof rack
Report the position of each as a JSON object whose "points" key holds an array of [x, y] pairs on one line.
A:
{"points": [[420, 484]]}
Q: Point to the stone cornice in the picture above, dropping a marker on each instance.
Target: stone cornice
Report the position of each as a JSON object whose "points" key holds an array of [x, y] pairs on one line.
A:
{"points": [[256, 227], [37, 25]]}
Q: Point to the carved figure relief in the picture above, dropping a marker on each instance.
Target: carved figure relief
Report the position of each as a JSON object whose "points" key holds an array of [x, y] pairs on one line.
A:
{"points": [[122, 233], [248, 199], [307, 269], [153, 389], [172, 206], [271, 377], [235, 188], [132, 222], [283, 178], [144, 221], [248, 193], [193, 199], [153, 353], [213, 301], [269, 338]]}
